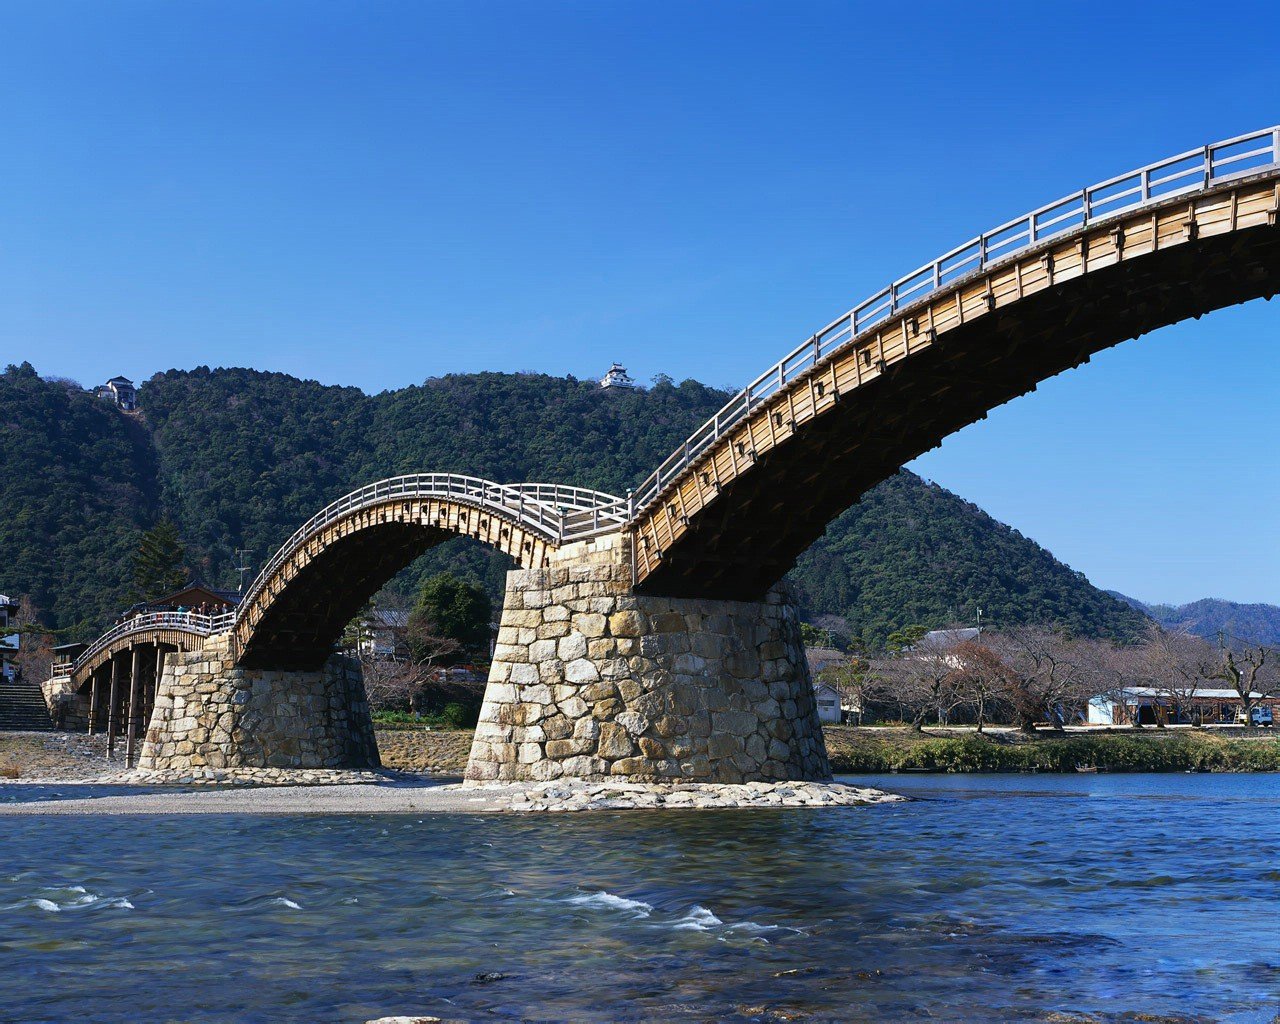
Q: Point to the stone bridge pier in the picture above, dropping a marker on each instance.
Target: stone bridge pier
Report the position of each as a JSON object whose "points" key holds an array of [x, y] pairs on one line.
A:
{"points": [[211, 712], [590, 680]]}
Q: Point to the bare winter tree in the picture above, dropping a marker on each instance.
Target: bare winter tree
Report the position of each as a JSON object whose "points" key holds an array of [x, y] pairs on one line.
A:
{"points": [[1249, 669], [855, 681], [34, 660], [1047, 673], [921, 678], [397, 653], [1177, 666], [981, 679]]}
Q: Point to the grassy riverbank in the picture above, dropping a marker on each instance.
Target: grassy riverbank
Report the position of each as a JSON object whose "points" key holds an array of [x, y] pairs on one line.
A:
{"points": [[852, 750], [890, 749], [1152, 750]]}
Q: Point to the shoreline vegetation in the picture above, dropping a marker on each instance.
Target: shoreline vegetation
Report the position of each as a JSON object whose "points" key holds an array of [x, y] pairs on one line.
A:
{"points": [[852, 750], [856, 750], [886, 749]]}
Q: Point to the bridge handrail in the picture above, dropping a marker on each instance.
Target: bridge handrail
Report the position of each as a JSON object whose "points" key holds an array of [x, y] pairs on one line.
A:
{"points": [[1188, 173], [187, 622], [559, 513]]}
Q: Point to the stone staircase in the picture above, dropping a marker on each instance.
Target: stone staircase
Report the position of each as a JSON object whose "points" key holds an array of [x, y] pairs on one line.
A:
{"points": [[22, 707]]}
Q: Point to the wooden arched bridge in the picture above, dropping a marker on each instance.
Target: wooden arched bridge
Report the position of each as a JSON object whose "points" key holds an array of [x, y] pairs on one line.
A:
{"points": [[319, 579], [727, 514]]}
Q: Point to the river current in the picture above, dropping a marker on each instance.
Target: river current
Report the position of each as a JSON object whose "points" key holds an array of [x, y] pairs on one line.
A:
{"points": [[989, 898]]}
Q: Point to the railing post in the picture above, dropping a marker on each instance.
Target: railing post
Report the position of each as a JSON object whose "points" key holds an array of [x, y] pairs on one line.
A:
{"points": [[1031, 229], [1208, 165], [631, 504], [1146, 185]]}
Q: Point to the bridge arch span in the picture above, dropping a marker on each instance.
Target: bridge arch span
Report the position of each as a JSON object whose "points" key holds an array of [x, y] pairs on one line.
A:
{"points": [[317, 582], [728, 513]]}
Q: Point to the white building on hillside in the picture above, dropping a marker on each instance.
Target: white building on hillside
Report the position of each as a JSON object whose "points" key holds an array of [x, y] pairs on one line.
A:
{"points": [[119, 391], [617, 378]]}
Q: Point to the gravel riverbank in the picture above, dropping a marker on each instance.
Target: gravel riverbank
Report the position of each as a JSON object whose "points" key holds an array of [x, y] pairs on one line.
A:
{"points": [[410, 795]]}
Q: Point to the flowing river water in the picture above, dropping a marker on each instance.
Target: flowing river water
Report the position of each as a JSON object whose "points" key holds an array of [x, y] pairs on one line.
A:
{"points": [[989, 898]]}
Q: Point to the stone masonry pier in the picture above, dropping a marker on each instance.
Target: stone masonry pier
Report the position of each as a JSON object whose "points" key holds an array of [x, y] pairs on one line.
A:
{"points": [[210, 712], [592, 681]]}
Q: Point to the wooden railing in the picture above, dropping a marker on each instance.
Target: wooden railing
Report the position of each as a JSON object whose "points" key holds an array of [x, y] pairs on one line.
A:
{"points": [[186, 622], [559, 514]]}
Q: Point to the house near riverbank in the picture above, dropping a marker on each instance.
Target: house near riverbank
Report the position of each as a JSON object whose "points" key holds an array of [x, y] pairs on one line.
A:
{"points": [[9, 637], [827, 697], [1148, 705]]}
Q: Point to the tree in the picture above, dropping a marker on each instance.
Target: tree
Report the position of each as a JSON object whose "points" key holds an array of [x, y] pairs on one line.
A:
{"points": [[159, 564], [904, 638], [1047, 675], [34, 660], [920, 676], [397, 653], [854, 680], [982, 680], [1176, 666], [450, 609], [1242, 666], [815, 636]]}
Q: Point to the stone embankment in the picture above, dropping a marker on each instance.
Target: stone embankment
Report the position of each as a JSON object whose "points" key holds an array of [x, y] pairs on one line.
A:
{"points": [[432, 751], [241, 777]]}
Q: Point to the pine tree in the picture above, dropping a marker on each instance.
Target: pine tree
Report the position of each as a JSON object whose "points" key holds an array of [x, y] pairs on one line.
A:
{"points": [[159, 564]]}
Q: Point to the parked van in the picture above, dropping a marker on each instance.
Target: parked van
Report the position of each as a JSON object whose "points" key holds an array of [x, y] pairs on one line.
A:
{"points": [[1260, 715]]}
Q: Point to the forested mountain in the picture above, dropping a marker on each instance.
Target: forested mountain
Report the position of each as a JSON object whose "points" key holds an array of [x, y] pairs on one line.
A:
{"points": [[1259, 623], [239, 458], [78, 484], [911, 551]]}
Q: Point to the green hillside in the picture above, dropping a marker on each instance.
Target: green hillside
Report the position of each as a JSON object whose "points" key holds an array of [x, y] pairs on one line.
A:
{"points": [[239, 458], [912, 551]]}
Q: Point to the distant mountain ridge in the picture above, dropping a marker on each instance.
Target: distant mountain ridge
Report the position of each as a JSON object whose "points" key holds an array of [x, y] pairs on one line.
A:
{"points": [[1259, 623]]}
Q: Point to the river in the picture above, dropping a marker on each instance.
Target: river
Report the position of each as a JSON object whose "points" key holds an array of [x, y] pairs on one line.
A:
{"points": [[989, 898]]}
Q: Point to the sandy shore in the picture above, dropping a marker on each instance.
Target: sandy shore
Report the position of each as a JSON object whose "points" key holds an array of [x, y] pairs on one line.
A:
{"points": [[422, 796], [382, 798]]}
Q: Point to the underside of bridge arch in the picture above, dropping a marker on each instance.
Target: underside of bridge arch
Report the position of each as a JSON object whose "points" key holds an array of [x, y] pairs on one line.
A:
{"points": [[761, 522], [302, 622]]}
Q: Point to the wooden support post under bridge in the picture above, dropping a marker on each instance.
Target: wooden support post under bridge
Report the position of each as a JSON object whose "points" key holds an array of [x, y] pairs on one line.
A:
{"points": [[111, 707], [93, 702], [135, 705]]}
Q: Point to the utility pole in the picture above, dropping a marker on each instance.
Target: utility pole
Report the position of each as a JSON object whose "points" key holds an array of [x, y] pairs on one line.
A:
{"points": [[242, 555]]}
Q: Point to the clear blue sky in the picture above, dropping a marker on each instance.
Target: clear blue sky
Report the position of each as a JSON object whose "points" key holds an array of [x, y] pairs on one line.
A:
{"points": [[374, 193]]}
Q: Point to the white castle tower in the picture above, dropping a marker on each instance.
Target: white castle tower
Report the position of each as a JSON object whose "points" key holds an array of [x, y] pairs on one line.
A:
{"points": [[617, 378]]}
